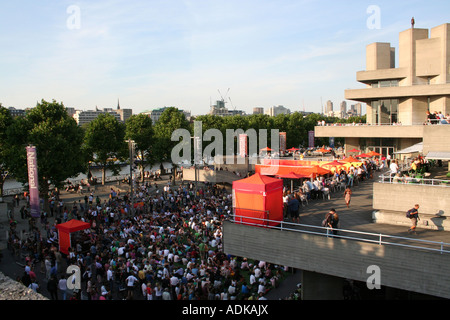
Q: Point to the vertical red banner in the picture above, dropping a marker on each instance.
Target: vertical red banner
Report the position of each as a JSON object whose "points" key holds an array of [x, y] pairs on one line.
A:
{"points": [[243, 145], [282, 142], [33, 181], [311, 139]]}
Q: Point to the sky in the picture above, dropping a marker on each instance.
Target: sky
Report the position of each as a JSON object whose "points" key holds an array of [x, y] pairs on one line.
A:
{"points": [[190, 53]]}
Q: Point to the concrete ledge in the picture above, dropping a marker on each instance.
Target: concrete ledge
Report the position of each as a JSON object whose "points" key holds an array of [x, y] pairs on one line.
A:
{"points": [[427, 221], [403, 268], [398, 197], [13, 290]]}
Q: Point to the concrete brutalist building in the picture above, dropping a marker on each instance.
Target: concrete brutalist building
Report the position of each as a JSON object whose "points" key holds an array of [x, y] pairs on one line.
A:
{"points": [[398, 98]]}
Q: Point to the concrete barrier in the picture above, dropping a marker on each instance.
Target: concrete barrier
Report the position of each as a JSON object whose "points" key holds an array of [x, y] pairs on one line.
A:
{"points": [[409, 269], [392, 200], [213, 176]]}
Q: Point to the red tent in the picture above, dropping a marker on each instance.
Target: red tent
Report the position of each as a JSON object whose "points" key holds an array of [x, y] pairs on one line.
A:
{"points": [[293, 175], [316, 171], [256, 198], [64, 231]]}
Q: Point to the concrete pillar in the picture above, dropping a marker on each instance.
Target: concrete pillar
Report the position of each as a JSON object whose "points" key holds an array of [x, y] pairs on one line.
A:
{"points": [[317, 286], [351, 143]]}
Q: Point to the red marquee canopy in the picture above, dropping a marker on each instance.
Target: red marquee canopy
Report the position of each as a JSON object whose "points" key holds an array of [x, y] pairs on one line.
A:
{"points": [[65, 229], [256, 198]]}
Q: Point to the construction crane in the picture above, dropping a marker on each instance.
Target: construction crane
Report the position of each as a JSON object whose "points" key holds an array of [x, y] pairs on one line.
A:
{"points": [[234, 108], [223, 98]]}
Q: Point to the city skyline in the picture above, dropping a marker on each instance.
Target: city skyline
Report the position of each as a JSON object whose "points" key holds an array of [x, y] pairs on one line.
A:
{"points": [[298, 54]]}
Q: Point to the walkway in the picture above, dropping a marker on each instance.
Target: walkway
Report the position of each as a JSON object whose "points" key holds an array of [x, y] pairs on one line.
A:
{"points": [[359, 215]]}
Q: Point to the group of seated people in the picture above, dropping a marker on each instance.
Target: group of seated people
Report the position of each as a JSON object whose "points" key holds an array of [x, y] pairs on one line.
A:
{"points": [[322, 186], [437, 118]]}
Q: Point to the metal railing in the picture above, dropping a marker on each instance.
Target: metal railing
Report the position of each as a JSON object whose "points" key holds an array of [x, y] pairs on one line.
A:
{"points": [[376, 238], [358, 124], [392, 178]]}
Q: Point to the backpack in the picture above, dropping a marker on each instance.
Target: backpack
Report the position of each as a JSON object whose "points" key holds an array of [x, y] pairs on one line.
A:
{"points": [[409, 213]]}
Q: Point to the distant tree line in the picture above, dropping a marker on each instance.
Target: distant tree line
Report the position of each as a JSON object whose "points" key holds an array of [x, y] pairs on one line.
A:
{"points": [[65, 149]]}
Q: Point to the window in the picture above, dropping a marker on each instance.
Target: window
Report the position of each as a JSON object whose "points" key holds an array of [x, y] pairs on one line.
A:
{"points": [[385, 84], [385, 111]]}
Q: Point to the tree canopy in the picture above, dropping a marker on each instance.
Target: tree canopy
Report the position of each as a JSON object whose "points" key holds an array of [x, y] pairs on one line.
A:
{"points": [[57, 139], [104, 141], [139, 128]]}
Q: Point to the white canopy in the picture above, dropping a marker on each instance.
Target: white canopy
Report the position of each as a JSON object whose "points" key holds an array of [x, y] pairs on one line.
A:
{"points": [[438, 155], [418, 147]]}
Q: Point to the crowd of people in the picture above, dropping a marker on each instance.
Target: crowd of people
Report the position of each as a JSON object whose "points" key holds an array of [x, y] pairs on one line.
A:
{"points": [[168, 246], [437, 118]]}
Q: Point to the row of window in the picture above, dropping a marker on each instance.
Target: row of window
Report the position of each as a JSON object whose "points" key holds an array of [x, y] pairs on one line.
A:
{"points": [[384, 84]]}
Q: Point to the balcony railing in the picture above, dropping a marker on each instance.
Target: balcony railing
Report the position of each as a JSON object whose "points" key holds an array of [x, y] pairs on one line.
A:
{"points": [[375, 238], [375, 124], [392, 178]]}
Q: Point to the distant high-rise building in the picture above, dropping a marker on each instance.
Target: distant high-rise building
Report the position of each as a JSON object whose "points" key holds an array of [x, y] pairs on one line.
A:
{"points": [[329, 107], [258, 110], [358, 109], [219, 109], [343, 111], [276, 110]]}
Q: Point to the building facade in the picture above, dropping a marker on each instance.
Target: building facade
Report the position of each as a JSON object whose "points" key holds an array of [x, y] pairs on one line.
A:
{"points": [[219, 109], [276, 110], [398, 98], [155, 114], [85, 116]]}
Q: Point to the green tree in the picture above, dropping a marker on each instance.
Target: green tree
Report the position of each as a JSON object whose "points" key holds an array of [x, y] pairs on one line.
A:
{"points": [[105, 143], [58, 140], [139, 128], [170, 120], [6, 121], [296, 131]]}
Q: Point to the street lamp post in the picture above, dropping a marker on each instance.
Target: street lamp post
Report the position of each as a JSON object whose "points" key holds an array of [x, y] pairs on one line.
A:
{"points": [[131, 148], [197, 156]]}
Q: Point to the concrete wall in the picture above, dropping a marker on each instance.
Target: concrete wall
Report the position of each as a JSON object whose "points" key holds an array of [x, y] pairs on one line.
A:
{"points": [[378, 56], [413, 270], [436, 138], [391, 201], [402, 197], [367, 131], [213, 176]]}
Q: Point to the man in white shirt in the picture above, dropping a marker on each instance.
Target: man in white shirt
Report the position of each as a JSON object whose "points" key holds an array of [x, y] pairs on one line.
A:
{"points": [[394, 167], [109, 277], [131, 280], [62, 286], [166, 295]]}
